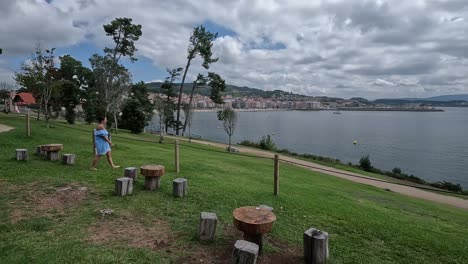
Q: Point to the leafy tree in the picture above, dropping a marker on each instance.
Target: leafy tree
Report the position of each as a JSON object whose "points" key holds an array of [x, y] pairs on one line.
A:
{"points": [[124, 34], [396, 170], [113, 96], [5, 90], [365, 163], [75, 77], [133, 118], [168, 90], [229, 118], [217, 85], [138, 109], [38, 76], [267, 143], [200, 43]]}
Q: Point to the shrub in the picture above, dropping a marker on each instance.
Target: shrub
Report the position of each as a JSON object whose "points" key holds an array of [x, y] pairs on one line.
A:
{"points": [[249, 143], [365, 163], [448, 186], [396, 170], [267, 143]]}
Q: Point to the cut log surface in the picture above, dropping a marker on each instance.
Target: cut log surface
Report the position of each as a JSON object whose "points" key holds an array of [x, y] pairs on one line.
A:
{"points": [[52, 147], [179, 187], [121, 186], [253, 220], [22, 154], [245, 252], [152, 183], [207, 227], [68, 159], [131, 172], [152, 170]]}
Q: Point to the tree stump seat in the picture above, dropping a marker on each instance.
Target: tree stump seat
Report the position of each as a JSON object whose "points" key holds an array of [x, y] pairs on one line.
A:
{"points": [[68, 159], [131, 172], [52, 150], [153, 174], [179, 187], [22, 154], [254, 222], [245, 252]]}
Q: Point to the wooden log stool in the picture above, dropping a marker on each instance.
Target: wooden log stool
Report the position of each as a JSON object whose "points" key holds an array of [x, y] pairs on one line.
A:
{"points": [[131, 172], [68, 159], [315, 246], [22, 154], [52, 150], [179, 187], [207, 227], [245, 252], [254, 222], [123, 186], [39, 151], [153, 174]]}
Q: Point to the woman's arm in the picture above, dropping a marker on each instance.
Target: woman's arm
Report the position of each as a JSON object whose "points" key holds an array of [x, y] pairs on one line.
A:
{"points": [[107, 140]]}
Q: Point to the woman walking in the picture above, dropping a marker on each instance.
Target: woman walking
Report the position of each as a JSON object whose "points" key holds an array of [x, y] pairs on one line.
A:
{"points": [[102, 144]]}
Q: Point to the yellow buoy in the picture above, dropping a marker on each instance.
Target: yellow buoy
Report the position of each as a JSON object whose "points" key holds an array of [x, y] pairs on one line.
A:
{"points": [[355, 142]]}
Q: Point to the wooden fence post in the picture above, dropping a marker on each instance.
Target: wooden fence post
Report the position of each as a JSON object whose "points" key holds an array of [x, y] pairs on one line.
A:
{"points": [[177, 156], [276, 175], [28, 124]]}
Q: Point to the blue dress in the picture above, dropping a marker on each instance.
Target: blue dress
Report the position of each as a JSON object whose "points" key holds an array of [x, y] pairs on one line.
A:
{"points": [[102, 147]]}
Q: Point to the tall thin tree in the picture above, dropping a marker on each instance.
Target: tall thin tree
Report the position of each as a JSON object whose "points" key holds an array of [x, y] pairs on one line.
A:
{"points": [[200, 43]]}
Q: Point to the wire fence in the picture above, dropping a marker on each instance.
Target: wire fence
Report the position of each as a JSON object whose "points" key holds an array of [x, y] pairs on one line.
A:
{"points": [[309, 165]]}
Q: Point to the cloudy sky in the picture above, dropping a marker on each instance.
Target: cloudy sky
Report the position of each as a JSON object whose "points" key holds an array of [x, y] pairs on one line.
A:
{"points": [[345, 48]]}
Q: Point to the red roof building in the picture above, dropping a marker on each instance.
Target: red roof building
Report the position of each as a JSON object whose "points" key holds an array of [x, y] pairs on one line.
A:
{"points": [[24, 99]]}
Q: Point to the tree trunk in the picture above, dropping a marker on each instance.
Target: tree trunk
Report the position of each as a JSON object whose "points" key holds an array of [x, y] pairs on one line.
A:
{"points": [[229, 144], [180, 96], [115, 120], [190, 105]]}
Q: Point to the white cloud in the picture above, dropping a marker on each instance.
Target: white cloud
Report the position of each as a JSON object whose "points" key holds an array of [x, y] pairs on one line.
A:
{"points": [[336, 48]]}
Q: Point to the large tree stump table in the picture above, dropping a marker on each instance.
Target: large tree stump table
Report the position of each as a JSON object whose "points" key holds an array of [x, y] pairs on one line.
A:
{"points": [[254, 222], [153, 174], [52, 150]]}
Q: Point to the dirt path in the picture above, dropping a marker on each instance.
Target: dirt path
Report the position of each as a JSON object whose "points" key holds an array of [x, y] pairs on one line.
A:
{"points": [[4, 128], [406, 190]]}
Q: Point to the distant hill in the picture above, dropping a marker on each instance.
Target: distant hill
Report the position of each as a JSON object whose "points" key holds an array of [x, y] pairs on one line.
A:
{"points": [[454, 97], [235, 91], [442, 98]]}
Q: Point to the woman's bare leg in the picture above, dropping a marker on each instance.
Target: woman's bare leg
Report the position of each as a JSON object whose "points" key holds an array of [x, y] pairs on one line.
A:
{"points": [[109, 159], [95, 162]]}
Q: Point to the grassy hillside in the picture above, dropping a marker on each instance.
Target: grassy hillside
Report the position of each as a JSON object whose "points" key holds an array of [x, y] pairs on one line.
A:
{"points": [[47, 217]]}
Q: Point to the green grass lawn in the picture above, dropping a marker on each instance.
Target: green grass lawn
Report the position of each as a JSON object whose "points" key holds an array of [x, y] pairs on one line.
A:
{"points": [[41, 222]]}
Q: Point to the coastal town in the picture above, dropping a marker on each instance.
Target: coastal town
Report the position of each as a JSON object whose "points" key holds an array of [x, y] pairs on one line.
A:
{"points": [[251, 103]]}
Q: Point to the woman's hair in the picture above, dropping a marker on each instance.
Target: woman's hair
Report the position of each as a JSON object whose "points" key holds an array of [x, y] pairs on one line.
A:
{"points": [[100, 118]]}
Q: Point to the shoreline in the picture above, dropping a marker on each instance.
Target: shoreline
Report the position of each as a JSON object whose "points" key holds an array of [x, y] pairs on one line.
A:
{"points": [[211, 110]]}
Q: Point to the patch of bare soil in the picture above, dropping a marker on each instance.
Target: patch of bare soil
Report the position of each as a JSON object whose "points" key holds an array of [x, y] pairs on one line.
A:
{"points": [[132, 232], [40, 199]]}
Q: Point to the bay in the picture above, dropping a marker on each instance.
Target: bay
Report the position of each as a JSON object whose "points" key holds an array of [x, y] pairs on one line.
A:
{"points": [[430, 145]]}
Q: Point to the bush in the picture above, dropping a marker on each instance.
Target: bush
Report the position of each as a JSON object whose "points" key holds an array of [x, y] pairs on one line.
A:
{"points": [[267, 143], [448, 186], [249, 143], [396, 170], [365, 163]]}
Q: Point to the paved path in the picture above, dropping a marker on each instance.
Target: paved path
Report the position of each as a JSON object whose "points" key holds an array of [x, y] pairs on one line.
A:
{"points": [[406, 190], [4, 128]]}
